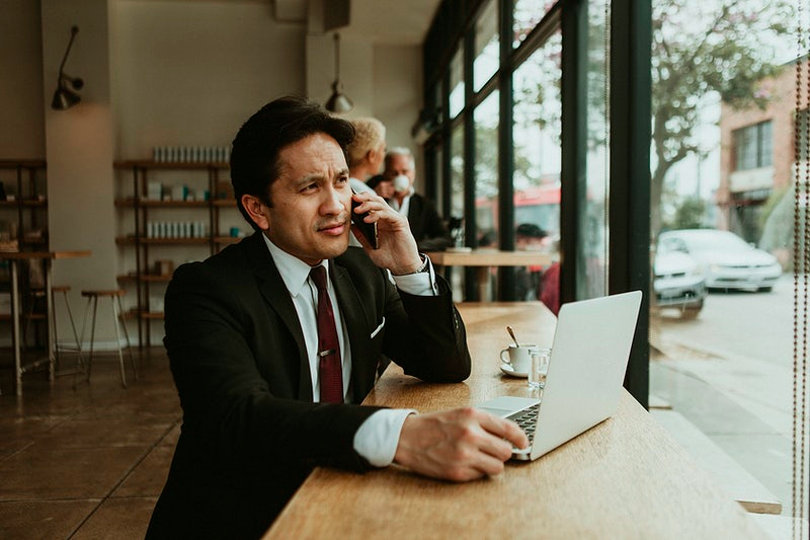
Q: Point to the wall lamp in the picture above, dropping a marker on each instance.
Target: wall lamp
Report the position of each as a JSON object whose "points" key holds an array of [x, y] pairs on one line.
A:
{"points": [[64, 97], [338, 102]]}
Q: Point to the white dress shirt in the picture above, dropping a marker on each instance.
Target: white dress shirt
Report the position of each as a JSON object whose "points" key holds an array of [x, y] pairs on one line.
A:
{"points": [[404, 207], [377, 438]]}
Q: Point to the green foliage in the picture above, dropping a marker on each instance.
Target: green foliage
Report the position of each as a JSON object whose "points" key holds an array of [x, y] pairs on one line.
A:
{"points": [[689, 214], [773, 201], [704, 47]]}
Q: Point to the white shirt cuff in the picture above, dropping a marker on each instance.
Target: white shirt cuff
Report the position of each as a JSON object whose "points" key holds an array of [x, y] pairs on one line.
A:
{"points": [[419, 284], [378, 437]]}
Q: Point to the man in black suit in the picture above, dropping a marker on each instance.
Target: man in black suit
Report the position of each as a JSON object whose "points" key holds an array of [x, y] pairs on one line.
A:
{"points": [[264, 401], [427, 227]]}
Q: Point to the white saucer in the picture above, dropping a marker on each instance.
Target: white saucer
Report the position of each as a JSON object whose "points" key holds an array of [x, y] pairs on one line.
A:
{"points": [[506, 368]]}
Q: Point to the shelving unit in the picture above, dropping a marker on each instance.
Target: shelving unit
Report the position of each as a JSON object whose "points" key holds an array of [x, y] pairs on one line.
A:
{"points": [[25, 179], [134, 199], [25, 227]]}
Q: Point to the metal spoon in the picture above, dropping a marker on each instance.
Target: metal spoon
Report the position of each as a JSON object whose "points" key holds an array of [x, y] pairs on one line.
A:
{"points": [[512, 333]]}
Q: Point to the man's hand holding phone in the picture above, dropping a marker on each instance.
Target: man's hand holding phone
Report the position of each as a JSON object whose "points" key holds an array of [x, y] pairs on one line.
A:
{"points": [[368, 230], [395, 247]]}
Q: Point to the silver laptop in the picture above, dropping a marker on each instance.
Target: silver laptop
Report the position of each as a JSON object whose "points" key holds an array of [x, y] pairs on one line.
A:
{"points": [[586, 370]]}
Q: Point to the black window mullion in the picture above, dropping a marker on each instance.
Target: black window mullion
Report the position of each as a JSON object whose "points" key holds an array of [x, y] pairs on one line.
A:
{"points": [[470, 227], [506, 151], [629, 248], [446, 154], [574, 28]]}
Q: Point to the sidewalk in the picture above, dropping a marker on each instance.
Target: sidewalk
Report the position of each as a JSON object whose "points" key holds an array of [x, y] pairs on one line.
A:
{"points": [[743, 405]]}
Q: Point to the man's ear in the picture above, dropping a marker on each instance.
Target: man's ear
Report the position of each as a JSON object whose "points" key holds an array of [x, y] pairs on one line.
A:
{"points": [[256, 209]]}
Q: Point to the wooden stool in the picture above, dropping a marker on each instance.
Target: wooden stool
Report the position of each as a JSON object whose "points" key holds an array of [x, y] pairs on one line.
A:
{"points": [[115, 299]]}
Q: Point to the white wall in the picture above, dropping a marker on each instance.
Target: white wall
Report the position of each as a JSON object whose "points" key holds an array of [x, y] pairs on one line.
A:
{"points": [[22, 127], [189, 73], [79, 151], [397, 80], [161, 73]]}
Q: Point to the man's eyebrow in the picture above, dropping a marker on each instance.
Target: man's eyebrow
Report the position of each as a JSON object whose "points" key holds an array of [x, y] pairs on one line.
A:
{"points": [[317, 177], [308, 179]]}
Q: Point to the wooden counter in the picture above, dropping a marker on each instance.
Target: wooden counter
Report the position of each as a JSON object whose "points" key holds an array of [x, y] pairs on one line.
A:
{"points": [[625, 478], [484, 259]]}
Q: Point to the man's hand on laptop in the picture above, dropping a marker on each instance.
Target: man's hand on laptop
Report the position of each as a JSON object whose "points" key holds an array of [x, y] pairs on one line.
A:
{"points": [[458, 445]]}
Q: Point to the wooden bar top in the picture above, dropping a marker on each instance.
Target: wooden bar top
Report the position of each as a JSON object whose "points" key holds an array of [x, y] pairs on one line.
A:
{"points": [[25, 255], [625, 478]]}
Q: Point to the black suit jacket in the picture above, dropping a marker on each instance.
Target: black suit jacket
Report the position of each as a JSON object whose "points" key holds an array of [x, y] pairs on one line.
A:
{"points": [[427, 227], [251, 432]]}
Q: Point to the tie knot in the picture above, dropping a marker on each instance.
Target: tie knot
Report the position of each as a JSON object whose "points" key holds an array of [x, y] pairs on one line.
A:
{"points": [[318, 275]]}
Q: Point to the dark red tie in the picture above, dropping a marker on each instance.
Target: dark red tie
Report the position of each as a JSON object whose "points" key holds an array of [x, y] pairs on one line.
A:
{"points": [[329, 369]]}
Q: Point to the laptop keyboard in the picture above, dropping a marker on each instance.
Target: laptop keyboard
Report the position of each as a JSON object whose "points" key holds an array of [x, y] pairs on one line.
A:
{"points": [[526, 419]]}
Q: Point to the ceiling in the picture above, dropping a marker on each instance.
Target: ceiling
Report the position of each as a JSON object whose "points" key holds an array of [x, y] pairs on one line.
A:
{"points": [[394, 22]]}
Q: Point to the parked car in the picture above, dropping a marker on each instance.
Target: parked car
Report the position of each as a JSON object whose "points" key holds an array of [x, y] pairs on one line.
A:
{"points": [[678, 282], [729, 261]]}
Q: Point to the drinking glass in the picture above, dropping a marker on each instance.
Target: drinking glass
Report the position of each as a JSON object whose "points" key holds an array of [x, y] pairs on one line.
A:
{"points": [[538, 367]]}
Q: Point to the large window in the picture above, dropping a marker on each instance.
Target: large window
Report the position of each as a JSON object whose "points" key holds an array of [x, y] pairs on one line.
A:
{"points": [[753, 146], [525, 15], [456, 98], [592, 279], [536, 133], [457, 172], [486, 171], [486, 45], [722, 329]]}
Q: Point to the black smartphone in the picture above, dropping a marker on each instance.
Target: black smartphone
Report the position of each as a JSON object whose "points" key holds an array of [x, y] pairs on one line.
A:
{"points": [[369, 230]]}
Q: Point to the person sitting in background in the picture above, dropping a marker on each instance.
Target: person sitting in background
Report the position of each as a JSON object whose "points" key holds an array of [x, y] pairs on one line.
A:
{"points": [[549, 292], [427, 227], [366, 151], [488, 239], [550, 288], [382, 186], [528, 237]]}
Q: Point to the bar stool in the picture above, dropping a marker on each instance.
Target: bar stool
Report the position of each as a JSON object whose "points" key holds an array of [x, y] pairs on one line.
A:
{"points": [[64, 289], [38, 295], [115, 299]]}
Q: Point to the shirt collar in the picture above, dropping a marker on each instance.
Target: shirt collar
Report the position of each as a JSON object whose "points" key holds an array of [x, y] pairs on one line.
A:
{"points": [[405, 200], [294, 272]]}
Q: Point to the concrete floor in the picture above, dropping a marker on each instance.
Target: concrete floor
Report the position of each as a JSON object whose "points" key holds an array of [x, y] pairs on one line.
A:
{"points": [[89, 462]]}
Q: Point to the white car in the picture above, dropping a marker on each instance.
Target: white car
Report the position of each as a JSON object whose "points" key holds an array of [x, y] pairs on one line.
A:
{"points": [[729, 262], [678, 282]]}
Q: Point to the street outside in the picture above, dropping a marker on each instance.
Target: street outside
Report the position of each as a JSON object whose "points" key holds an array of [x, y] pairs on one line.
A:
{"points": [[730, 373]]}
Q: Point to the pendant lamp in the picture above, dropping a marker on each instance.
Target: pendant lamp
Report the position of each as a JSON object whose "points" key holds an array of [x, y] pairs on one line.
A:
{"points": [[338, 102]]}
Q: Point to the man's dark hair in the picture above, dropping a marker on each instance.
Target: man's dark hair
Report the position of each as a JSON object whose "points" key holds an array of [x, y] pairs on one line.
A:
{"points": [[530, 230], [280, 123]]}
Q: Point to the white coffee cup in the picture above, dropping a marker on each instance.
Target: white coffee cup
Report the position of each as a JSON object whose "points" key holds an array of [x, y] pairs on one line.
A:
{"points": [[401, 183], [518, 358]]}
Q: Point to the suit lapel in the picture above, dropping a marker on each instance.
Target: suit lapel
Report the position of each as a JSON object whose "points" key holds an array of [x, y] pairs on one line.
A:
{"points": [[358, 320], [276, 294]]}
